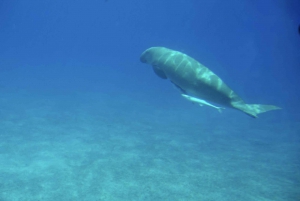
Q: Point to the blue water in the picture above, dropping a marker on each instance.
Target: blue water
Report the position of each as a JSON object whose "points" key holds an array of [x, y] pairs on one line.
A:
{"points": [[81, 118]]}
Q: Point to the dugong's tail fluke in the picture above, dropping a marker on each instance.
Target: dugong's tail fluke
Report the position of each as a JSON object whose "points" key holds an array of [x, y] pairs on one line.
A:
{"points": [[254, 109]]}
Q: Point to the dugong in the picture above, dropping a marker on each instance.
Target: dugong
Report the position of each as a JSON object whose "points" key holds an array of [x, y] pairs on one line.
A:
{"points": [[196, 80]]}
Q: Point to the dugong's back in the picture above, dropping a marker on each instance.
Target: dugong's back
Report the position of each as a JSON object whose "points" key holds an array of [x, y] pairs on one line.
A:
{"points": [[189, 74]]}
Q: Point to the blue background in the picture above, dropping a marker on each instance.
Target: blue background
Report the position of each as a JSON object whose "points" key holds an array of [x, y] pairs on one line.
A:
{"points": [[81, 118]]}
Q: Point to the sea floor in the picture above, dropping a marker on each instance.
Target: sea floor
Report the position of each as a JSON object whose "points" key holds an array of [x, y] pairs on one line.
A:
{"points": [[105, 147]]}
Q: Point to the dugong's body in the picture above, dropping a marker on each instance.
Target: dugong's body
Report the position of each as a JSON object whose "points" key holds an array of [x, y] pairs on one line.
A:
{"points": [[195, 79]]}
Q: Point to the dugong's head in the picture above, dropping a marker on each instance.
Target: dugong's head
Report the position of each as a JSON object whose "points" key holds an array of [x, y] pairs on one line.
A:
{"points": [[151, 54], [147, 55]]}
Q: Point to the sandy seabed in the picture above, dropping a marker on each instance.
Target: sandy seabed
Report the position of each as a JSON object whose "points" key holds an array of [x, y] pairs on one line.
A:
{"points": [[89, 146]]}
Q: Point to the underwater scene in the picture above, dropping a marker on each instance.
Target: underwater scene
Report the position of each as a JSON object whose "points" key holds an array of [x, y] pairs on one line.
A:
{"points": [[139, 100]]}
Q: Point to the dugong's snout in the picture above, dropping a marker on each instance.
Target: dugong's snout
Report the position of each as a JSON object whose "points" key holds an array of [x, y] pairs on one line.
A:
{"points": [[144, 56], [148, 56], [142, 59]]}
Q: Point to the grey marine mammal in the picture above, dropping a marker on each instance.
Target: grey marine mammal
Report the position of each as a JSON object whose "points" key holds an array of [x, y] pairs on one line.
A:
{"points": [[194, 79]]}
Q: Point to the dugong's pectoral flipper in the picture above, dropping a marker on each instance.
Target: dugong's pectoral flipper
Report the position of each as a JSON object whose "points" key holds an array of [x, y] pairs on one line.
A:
{"points": [[253, 109], [159, 73]]}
